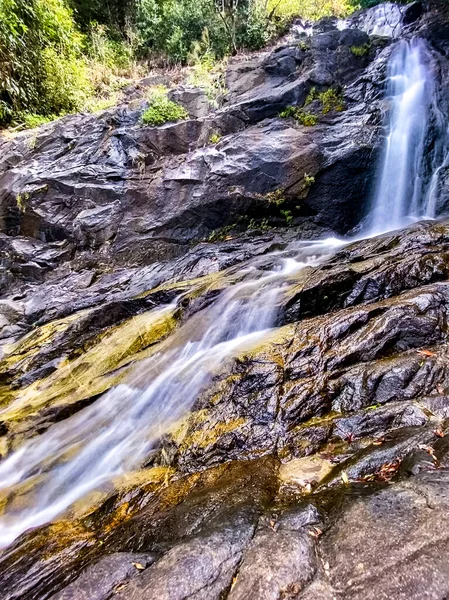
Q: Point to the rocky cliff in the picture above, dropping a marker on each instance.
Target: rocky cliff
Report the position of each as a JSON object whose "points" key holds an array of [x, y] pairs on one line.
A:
{"points": [[314, 464]]}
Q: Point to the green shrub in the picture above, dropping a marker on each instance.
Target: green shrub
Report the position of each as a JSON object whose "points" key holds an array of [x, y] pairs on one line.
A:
{"points": [[162, 110], [215, 138], [287, 214], [331, 100], [300, 116], [285, 10], [360, 50], [311, 96], [309, 180], [205, 71], [171, 27], [42, 70]]}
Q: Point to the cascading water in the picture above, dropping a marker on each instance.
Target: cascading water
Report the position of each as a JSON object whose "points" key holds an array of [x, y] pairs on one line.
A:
{"points": [[415, 150], [119, 431]]}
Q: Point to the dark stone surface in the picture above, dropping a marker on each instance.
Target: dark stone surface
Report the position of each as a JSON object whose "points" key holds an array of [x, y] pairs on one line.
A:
{"points": [[315, 464]]}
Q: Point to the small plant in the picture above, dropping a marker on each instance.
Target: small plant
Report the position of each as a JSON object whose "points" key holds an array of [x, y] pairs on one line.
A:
{"points": [[287, 214], [303, 45], [360, 50], [331, 100], [162, 110], [277, 197], [300, 116], [214, 138], [21, 201], [311, 96], [308, 119], [309, 180]]}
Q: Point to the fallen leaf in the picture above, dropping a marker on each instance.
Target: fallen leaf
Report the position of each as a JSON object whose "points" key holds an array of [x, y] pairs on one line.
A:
{"points": [[429, 450], [344, 477], [439, 433], [138, 566], [425, 353], [315, 532]]}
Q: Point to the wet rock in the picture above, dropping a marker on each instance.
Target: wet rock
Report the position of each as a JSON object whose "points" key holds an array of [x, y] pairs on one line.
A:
{"points": [[100, 580], [201, 568], [407, 521], [276, 563]]}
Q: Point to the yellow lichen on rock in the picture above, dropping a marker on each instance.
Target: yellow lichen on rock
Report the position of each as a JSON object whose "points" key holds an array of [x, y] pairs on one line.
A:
{"points": [[98, 369]]}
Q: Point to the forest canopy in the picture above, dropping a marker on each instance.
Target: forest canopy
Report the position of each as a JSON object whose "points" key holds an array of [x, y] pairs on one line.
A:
{"points": [[61, 56]]}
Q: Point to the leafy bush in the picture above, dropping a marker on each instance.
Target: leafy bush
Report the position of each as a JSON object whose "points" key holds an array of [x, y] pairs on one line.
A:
{"points": [[171, 27], [206, 72], [331, 100], [255, 28], [298, 114], [42, 70], [162, 110], [360, 50], [308, 9]]}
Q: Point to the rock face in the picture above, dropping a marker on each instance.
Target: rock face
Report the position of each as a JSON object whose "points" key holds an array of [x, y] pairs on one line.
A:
{"points": [[314, 463]]}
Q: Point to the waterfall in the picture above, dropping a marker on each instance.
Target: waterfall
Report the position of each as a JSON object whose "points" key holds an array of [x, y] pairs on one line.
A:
{"points": [[415, 150], [118, 433]]}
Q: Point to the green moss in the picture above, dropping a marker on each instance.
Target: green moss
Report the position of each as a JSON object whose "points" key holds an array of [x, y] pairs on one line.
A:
{"points": [[361, 50]]}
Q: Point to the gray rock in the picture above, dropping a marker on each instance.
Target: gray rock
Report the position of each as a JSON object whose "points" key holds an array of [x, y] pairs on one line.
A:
{"points": [[275, 563], [100, 580], [194, 100]]}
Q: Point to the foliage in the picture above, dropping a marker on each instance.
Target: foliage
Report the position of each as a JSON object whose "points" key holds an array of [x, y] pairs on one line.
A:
{"points": [[117, 15], [277, 197], [42, 70], [215, 138], [171, 27], [361, 50], [309, 180], [206, 72], [285, 10], [162, 110], [287, 214], [331, 100], [298, 114], [31, 120]]}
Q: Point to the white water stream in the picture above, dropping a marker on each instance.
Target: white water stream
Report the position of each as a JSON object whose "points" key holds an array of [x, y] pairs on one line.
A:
{"points": [[416, 149]]}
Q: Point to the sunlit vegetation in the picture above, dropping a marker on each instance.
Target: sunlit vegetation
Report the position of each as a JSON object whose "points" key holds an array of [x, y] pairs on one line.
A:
{"points": [[63, 56], [162, 110]]}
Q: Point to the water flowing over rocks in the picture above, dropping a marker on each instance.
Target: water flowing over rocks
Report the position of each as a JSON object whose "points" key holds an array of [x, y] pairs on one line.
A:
{"points": [[313, 463]]}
